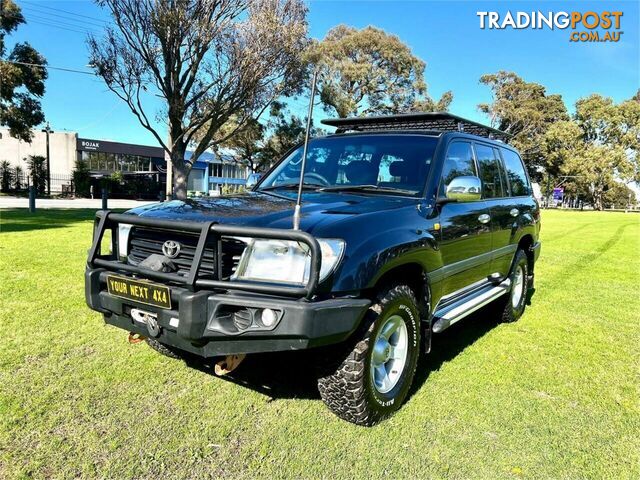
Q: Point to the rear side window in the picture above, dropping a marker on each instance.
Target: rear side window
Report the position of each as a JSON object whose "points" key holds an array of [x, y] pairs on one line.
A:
{"points": [[490, 172], [515, 172], [457, 163]]}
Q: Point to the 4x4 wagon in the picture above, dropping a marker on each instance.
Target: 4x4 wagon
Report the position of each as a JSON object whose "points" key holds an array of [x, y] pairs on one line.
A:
{"points": [[409, 223]]}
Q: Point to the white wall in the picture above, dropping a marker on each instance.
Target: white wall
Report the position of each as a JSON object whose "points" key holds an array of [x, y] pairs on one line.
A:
{"points": [[62, 148]]}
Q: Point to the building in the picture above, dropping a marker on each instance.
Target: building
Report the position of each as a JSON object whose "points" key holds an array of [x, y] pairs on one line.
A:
{"points": [[141, 169]]}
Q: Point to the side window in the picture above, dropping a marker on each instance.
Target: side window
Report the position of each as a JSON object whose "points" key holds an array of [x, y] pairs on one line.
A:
{"points": [[457, 163], [515, 172], [489, 166]]}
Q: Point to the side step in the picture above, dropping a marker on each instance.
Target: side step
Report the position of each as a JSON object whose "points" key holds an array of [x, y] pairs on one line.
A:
{"points": [[451, 313]]}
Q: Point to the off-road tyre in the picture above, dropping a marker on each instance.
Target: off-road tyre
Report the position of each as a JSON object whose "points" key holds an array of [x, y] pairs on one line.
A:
{"points": [[346, 383], [163, 349], [509, 312]]}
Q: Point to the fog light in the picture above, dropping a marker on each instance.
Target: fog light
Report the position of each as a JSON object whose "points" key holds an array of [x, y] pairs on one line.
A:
{"points": [[268, 317]]}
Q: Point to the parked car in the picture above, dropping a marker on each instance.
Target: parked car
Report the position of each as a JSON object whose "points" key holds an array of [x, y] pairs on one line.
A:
{"points": [[409, 224]]}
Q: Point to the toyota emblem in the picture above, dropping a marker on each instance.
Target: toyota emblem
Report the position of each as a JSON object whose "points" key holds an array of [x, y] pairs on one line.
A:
{"points": [[171, 249]]}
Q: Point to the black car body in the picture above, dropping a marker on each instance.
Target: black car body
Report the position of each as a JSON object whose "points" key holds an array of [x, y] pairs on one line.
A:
{"points": [[454, 255]]}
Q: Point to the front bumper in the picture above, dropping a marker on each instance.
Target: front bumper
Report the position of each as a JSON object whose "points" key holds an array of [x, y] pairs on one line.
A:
{"points": [[201, 322]]}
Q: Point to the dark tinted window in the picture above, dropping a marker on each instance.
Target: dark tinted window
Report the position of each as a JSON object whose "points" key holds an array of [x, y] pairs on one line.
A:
{"points": [[457, 163], [489, 166], [393, 161], [515, 171]]}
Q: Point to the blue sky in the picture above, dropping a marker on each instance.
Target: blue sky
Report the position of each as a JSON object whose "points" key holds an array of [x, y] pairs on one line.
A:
{"points": [[445, 34]]}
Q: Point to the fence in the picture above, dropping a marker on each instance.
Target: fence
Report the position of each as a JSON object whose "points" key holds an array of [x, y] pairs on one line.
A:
{"points": [[60, 183]]}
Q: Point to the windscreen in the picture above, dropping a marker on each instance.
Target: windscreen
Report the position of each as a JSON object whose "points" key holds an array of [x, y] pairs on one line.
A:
{"points": [[390, 162]]}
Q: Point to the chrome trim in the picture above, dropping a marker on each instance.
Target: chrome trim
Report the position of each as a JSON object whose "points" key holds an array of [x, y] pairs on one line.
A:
{"points": [[450, 314], [464, 189]]}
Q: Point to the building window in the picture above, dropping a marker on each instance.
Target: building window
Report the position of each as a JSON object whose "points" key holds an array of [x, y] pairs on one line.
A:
{"points": [[112, 162], [215, 169]]}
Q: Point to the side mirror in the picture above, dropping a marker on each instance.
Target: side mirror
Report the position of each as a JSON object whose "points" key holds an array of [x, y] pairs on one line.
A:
{"points": [[464, 189]]}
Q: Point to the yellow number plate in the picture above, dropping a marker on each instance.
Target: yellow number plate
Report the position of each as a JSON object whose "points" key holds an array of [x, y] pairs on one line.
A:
{"points": [[139, 291]]}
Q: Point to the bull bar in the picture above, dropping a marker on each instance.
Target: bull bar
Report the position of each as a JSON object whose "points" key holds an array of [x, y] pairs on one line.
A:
{"points": [[107, 220]]}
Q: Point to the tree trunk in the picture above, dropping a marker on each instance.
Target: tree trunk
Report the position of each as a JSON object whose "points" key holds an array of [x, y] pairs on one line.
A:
{"points": [[181, 171], [180, 176]]}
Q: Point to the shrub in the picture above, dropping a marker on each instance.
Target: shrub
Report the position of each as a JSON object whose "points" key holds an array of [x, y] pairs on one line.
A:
{"points": [[38, 172], [81, 178], [6, 176], [18, 173]]}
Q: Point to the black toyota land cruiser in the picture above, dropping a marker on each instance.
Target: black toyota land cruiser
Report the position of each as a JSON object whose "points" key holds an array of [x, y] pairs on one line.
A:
{"points": [[408, 224]]}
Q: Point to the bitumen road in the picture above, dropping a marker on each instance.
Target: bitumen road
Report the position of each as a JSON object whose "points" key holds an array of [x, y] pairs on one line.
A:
{"points": [[19, 202]]}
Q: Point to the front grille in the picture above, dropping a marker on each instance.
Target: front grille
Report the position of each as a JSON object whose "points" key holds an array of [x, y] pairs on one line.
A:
{"points": [[146, 241]]}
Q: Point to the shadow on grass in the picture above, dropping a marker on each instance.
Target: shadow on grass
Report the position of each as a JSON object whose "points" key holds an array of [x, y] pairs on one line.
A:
{"points": [[20, 220], [287, 375]]}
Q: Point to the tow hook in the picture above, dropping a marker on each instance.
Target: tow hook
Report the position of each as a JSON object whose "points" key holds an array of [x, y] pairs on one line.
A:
{"points": [[228, 364], [135, 338]]}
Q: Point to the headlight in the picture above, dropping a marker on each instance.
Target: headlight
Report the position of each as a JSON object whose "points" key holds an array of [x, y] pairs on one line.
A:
{"points": [[124, 229], [286, 261]]}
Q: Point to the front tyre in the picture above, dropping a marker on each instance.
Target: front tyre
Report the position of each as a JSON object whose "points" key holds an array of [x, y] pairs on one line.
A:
{"points": [[515, 303], [370, 381]]}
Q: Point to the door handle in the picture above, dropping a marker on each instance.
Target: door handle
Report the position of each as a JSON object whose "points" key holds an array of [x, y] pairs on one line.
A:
{"points": [[514, 212], [484, 218]]}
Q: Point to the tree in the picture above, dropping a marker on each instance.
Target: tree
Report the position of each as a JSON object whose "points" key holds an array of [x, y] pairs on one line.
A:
{"points": [[561, 141], [17, 177], [364, 72], [598, 167], [82, 178], [6, 176], [427, 104], [619, 195], [285, 132], [524, 110], [244, 145], [38, 172], [21, 83], [206, 60]]}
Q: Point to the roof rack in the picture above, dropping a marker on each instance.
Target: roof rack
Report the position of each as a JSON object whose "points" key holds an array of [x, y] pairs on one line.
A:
{"points": [[437, 121]]}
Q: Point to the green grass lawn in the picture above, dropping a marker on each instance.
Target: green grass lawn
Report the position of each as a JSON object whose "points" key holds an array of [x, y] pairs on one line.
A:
{"points": [[555, 395]]}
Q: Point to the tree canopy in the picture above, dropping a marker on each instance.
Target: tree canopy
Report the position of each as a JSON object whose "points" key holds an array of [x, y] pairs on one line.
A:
{"points": [[524, 110], [21, 83], [367, 71], [598, 148], [207, 62]]}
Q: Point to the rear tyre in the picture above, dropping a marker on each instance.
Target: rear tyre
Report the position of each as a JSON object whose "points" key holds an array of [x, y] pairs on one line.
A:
{"points": [[514, 303], [163, 349], [372, 376]]}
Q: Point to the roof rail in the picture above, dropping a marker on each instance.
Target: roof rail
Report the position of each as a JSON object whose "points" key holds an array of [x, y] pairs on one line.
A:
{"points": [[434, 121]]}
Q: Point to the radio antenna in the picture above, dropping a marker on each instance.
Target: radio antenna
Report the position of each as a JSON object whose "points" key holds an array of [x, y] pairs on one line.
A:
{"points": [[296, 211]]}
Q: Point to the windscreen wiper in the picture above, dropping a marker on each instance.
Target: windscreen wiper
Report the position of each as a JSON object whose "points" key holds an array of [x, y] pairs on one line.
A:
{"points": [[293, 186], [367, 188]]}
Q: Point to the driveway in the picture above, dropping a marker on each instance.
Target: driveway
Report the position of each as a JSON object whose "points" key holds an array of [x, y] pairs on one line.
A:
{"points": [[18, 202]]}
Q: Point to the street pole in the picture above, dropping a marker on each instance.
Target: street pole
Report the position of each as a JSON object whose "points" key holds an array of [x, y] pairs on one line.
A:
{"points": [[47, 130]]}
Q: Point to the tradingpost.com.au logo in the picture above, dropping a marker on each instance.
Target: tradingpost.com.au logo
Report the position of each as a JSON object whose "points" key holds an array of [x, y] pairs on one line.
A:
{"points": [[586, 26]]}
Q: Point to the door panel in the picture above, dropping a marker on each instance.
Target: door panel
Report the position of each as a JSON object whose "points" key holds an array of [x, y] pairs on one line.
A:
{"points": [[495, 191], [465, 244], [465, 226]]}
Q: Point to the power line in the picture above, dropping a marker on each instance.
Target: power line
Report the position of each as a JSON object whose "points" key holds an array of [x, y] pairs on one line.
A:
{"points": [[38, 65], [83, 32], [66, 17], [53, 23], [68, 22], [37, 5], [58, 23]]}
